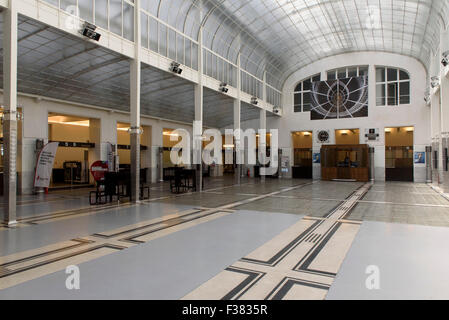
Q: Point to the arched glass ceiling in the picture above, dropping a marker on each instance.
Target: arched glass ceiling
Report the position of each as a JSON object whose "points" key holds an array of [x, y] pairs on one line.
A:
{"points": [[281, 36]]}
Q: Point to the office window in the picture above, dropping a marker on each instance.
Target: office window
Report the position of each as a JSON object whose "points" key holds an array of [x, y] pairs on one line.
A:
{"points": [[392, 87], [347, 72], [301, 95]]}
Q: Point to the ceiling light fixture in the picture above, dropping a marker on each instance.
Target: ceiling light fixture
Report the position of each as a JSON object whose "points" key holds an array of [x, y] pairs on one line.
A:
{"points": [[175, 67]]}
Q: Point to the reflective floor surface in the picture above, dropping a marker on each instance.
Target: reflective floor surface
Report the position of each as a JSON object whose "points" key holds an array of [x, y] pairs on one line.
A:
{"points": [[282, 239]]}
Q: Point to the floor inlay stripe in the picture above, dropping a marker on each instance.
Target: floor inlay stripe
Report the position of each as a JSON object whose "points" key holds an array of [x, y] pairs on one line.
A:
{"points": [[299, 263], [21, 267]]}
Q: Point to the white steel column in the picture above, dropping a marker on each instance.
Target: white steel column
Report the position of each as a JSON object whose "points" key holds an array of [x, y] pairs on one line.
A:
{"points": [[10, 111], [435, 121], [135, 132], [237, 120], [262, 141], [444, 109], [263, 126], [198, 127]]}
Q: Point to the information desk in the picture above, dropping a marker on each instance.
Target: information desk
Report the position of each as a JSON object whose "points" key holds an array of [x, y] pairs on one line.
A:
{"points": [[345, 162]]}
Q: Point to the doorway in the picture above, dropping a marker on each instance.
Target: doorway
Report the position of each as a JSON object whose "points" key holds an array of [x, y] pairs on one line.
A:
{"points": [[399, 154], [302, 150], [71, 166]]}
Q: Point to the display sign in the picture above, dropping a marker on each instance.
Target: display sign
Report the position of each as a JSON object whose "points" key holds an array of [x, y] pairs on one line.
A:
{"points": [[44, 166], [420, 157], [98, 170], [316, 158]]}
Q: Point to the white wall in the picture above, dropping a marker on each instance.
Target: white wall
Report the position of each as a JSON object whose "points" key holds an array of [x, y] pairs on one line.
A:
{"points": [[417, 114]]}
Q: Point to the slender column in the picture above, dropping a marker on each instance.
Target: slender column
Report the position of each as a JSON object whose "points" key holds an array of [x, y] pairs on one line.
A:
{"points": [[198, 126], [371, 164], [135, 131], [263, 123], [435, 122], [428, 164], [262, 141], [237, 126], [10, 111], [444, 109]]}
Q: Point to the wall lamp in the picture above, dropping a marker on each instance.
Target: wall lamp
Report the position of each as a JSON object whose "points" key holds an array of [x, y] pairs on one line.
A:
{"points": [[223, 87], [175, 67]]}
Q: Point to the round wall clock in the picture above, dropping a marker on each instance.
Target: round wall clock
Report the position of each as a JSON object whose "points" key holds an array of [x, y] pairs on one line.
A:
{"points": [[323, 136]]}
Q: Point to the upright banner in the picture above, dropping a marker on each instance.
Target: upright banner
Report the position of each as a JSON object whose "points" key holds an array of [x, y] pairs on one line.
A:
{"points": [[44, 165]]}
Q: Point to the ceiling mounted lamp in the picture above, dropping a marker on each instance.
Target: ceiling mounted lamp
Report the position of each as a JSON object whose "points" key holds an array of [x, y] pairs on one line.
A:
{"points": [[445, 61], [223, 87], [88, 30], [435, 82], [175, 67], [254, 101]]}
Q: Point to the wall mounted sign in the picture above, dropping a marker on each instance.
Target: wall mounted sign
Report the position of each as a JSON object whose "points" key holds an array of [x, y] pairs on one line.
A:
{"points": [[372, 135], [420, 157]]}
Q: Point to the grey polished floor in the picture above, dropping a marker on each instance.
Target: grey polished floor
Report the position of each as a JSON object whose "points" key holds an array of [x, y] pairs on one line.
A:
{"points": [[412, 262], [395, 235], [165, 268]]}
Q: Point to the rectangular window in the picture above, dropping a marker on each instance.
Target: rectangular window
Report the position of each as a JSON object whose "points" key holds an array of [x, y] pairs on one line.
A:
{"points": [[69, 6], [194, 56], [404, 93], [188, 55], [180, 49], [341, 74], [163, 40], [307, 102], [128, 21], [380, 75], [86, 10], [302, 95], [154, 35], [380, 94], [393, 87], [144, 29], [352, 72], [363, 72], [115, 16], [392, 75], [392, 94], [101, 13]]}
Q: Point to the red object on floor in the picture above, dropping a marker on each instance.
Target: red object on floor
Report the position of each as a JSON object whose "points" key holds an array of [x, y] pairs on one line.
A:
{"points": [[46, 190]]}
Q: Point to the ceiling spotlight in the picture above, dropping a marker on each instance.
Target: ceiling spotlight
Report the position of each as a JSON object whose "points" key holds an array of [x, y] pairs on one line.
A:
{"points": [[88, 30], [435, 82], [254, 101], [445, 61], [427, 97], [223, 88], [175, 67]]}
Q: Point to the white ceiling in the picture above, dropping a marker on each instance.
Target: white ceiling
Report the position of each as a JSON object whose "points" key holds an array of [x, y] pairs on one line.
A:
{"points": [[54, 64], [282, 36]]}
